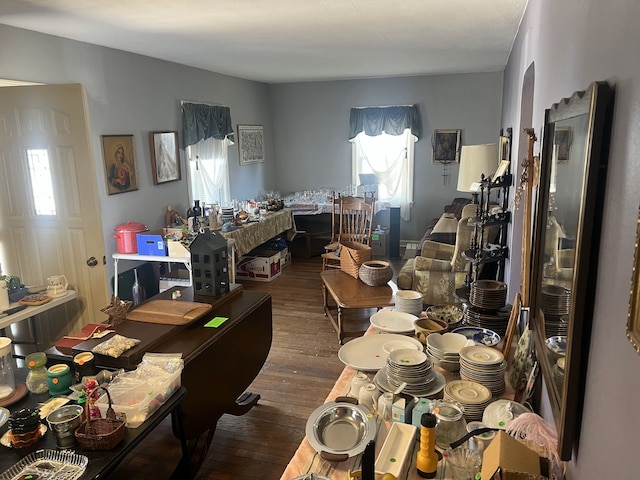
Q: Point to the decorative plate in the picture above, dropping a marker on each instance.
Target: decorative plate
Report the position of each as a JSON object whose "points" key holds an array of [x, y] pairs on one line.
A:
{"points": [[482, 336]]}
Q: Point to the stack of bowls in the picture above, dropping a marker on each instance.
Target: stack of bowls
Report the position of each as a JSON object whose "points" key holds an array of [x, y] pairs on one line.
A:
{"points": [[409, 301], [444, 349], [391, 321], [484, 365]]}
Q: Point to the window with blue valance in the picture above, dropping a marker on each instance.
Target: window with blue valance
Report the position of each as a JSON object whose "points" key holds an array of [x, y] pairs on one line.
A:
{"points": [[394, 120], [201, 121]]}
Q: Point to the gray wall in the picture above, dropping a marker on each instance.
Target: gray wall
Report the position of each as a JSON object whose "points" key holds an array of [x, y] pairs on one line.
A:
{"points": [[574, 43], [133, 94], [311, 129]]}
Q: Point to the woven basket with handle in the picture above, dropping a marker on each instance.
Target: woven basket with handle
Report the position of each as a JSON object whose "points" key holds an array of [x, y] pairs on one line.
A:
{"points": [[101, 433], [352, 255]]}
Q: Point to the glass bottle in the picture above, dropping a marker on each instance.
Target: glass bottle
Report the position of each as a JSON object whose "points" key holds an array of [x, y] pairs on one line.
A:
{"points": [[37, 376], [7, 367]]}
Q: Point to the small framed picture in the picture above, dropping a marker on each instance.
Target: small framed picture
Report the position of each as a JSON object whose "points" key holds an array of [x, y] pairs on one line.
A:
{"points": [[165, 158], [250, 144], [119, 163], [446, 146], [503, 166]]}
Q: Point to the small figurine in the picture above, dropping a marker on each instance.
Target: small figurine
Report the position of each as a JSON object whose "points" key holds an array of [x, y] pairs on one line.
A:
{"points": [[91, 392], [170, 217]]}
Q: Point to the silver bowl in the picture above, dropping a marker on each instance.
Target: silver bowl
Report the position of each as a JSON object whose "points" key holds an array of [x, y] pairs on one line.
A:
{"points": [[341, 429]]}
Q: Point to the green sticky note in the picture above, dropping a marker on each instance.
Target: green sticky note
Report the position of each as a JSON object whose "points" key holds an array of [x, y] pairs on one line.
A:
{"points": [[216, 322]]}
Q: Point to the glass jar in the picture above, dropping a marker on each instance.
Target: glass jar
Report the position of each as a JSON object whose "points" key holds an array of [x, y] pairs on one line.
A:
{"points": [[7, 367], [450, 426], [37, 376]]}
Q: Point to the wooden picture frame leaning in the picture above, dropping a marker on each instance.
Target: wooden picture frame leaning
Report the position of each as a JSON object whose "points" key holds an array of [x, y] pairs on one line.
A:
{"points": [[119, 163], [165, 157], [250, 144]]}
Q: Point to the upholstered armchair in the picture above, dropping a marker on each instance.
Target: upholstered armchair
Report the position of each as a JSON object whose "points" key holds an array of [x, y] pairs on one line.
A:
{"points": [[441, 268]]}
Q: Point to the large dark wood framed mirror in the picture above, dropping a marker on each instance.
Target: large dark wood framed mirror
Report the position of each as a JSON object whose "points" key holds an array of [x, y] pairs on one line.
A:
{"points": [[565, 248]]}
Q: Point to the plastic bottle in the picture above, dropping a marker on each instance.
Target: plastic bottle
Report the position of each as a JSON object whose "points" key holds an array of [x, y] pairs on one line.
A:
{"points": [[427, 458]]}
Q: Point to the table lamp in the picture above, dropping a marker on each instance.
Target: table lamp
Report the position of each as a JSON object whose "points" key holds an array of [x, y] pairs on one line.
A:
{"points": [[476, 160]]}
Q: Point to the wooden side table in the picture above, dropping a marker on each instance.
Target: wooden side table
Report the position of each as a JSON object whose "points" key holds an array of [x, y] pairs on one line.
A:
{"points": [[351, 293]]}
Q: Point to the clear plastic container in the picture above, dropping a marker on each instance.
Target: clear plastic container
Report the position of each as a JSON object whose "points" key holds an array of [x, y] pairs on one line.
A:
{"points": [[7, 368]]}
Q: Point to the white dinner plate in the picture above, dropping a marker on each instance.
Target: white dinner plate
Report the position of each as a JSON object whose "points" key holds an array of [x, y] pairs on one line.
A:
{"points": [[392, 321], [367, 353]]}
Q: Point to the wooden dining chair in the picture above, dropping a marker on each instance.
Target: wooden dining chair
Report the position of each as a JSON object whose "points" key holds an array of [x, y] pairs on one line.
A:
{"points": [[354, 223]]}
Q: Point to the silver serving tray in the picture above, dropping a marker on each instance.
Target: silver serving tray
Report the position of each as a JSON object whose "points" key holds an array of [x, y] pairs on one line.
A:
{"points": [[48, 465]]}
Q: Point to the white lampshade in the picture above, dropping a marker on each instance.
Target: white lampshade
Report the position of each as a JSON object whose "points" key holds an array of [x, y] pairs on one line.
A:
{"points": [[476, 160]]}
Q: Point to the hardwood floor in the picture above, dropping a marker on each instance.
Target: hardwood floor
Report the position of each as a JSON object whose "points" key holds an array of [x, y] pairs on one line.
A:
{"points": [[299, 373]]}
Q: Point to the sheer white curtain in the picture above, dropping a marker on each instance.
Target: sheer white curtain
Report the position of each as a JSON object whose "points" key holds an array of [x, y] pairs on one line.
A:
{"points": [[390, 158], [209, 171]]}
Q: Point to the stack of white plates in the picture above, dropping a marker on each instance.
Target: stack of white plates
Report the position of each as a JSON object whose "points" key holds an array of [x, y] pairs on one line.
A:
{"points": [[473, 396], [392, 321], [444, 349], [484, 365], [411, 367]]}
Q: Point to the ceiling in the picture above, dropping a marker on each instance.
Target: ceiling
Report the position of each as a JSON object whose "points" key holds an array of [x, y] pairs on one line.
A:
{"points": [[281, 41]]}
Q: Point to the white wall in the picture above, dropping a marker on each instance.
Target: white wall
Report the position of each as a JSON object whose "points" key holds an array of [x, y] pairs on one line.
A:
{"points": [[311, 123], [573, 43]]}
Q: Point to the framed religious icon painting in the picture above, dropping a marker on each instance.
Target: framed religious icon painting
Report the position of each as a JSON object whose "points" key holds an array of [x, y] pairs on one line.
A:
{"points": [[446, 146], [165, 159], [250, 144], [119, 163]]}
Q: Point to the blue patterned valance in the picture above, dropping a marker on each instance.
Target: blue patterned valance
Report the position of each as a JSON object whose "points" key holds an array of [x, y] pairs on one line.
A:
{"points": [[201, 121], [390, 120]]}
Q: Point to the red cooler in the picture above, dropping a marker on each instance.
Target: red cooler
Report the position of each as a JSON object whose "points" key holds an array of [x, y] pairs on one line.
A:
{"points": [[125, 235]]}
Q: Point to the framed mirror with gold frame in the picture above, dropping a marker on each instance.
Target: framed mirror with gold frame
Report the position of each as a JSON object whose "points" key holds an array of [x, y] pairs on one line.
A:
{"points": [[633, 322], [565, 249]]}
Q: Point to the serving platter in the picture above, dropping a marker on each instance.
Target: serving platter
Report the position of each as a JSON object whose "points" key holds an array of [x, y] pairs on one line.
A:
{"points": [[367, 353]]}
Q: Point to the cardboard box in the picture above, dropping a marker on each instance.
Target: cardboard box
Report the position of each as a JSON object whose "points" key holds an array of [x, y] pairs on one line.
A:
{"points": [[507, 458], [151, 244], [263, 267], [380, 244]]}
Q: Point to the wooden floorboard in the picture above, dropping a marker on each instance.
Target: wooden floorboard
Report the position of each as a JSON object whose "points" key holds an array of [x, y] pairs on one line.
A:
{"points": [[299, 373]]}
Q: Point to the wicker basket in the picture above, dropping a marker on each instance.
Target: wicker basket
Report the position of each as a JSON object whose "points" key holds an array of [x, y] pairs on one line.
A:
{"points": [[352, 255], [101, 433], [375, 273]]}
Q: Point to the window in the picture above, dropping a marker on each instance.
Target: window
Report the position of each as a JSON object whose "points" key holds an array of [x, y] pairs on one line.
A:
{"points": [[383, 144], [205, 134], [41, 184], [209, 171]]}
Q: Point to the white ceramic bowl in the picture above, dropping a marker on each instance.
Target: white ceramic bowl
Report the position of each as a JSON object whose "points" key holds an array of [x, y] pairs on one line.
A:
{"points": [[447, 342], [390, 321]]}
